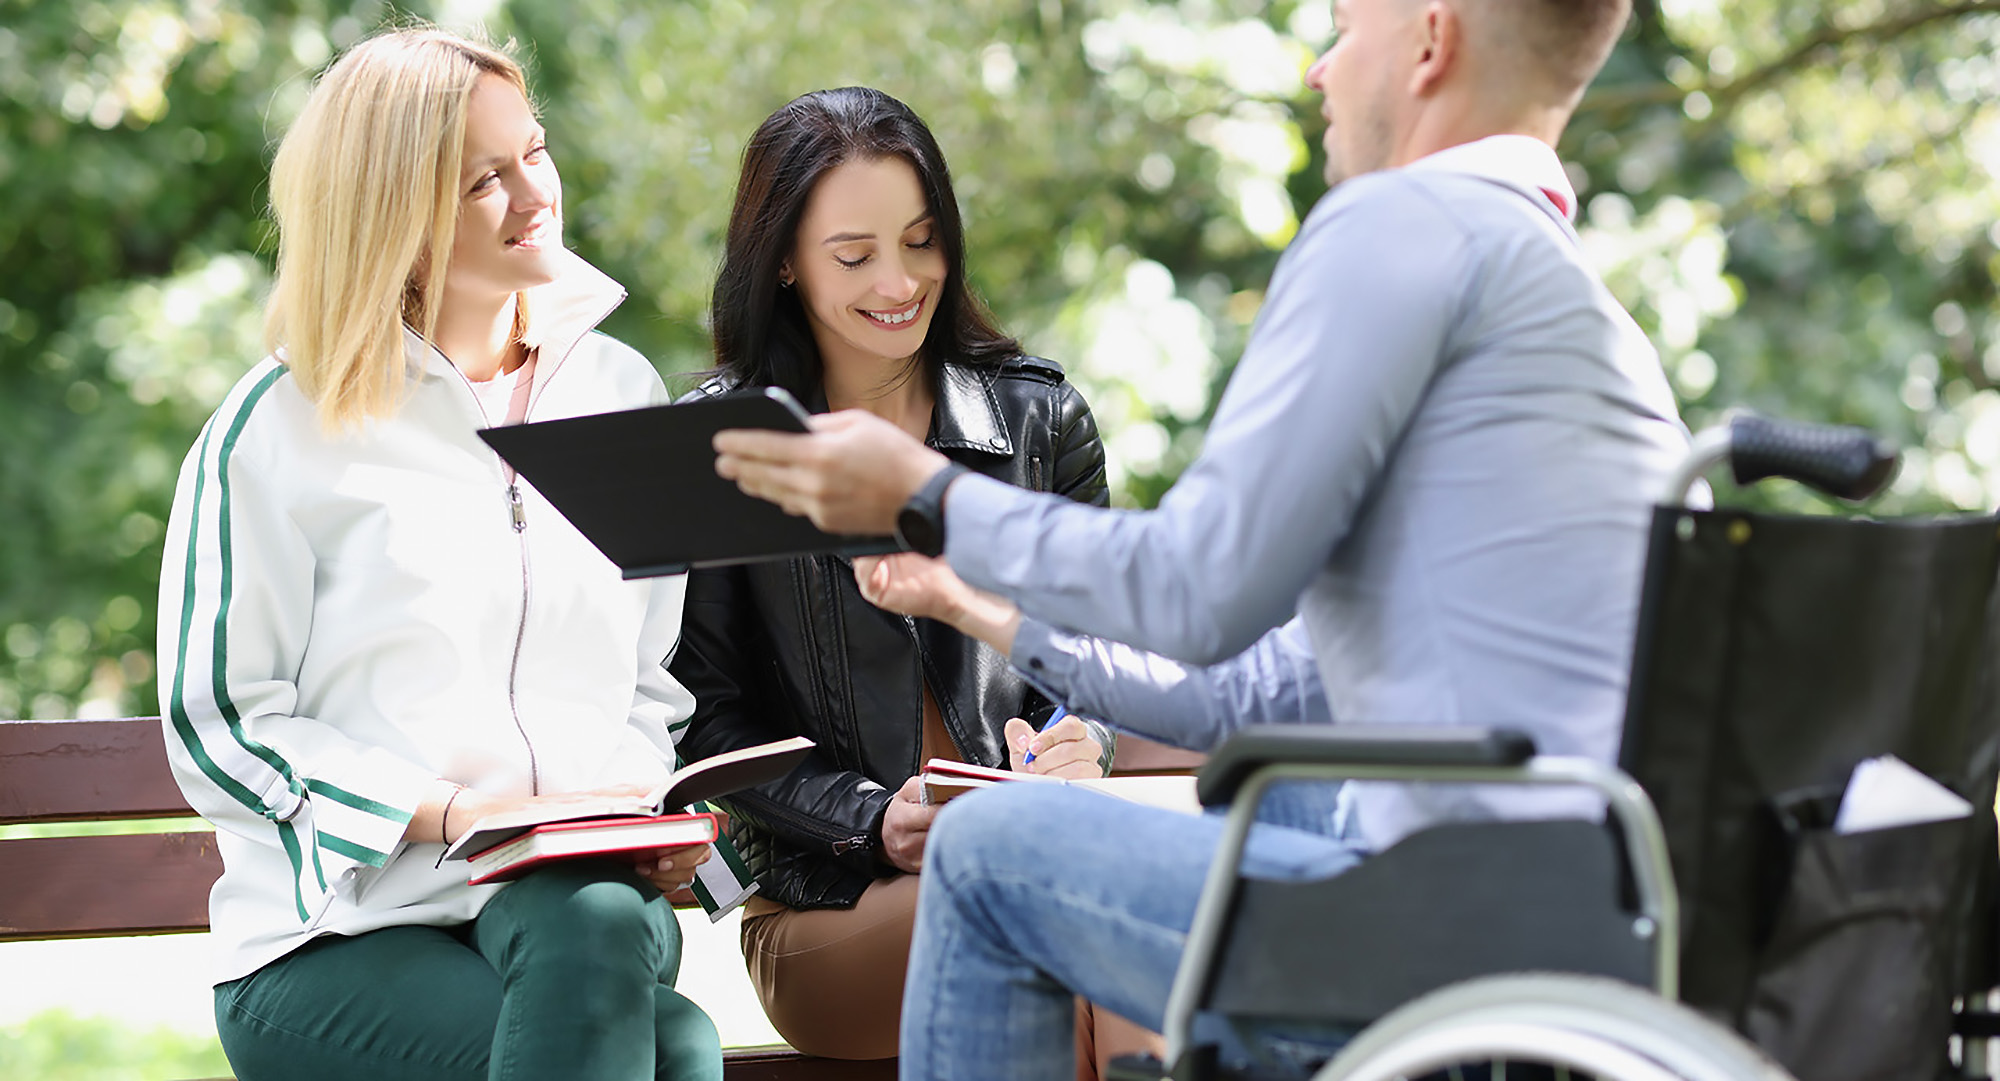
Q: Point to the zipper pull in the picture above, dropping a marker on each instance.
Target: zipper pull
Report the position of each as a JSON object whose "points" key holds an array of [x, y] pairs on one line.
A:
{"points": [[858, 842], [514, 505]]}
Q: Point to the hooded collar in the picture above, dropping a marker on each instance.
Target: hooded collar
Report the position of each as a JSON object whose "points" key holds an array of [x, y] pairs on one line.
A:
{"points": [[560, 313], [1522, 162]]}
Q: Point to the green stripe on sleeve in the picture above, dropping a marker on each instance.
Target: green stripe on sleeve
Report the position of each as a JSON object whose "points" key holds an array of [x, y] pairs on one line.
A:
{"points": [[351, 850], [224, 540], [177, 703], [359, 803], [183, 725], [289, 837]]}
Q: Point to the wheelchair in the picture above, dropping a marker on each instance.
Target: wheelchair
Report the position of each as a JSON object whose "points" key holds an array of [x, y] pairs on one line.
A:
{"points": [[1714, 925]]}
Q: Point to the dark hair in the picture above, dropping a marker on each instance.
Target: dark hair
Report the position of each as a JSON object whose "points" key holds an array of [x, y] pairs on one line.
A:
{"points": [[762, 337]]}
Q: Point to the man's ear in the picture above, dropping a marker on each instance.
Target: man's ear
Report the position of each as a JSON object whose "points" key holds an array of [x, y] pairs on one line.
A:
{"points": [[1440, 35]]}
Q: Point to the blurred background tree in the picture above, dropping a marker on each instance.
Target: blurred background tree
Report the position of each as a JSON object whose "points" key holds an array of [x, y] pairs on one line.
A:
{"points": [[1795, 199]]}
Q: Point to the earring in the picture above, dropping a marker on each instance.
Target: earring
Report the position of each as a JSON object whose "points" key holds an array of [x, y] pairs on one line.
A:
{"points": [[785, 282]]}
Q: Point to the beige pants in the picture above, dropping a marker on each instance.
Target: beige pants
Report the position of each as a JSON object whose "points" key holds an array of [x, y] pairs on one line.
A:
{"points": [[831, 979]]}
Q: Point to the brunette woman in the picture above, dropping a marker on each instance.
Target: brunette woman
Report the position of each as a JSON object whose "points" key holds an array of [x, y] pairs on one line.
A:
{"points": [[843, 281]]}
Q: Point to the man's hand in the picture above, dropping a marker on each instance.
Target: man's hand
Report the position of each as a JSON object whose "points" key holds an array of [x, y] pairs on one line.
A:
{"points": [[1066, 750], [917, 585], [850, 474], [907, 827]]}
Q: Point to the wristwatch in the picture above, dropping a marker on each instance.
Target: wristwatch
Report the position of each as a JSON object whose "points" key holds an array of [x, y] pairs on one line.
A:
{"points": [[920, 524]]}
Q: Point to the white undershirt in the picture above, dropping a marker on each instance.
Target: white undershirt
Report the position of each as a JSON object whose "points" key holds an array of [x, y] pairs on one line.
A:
{"points": [[493, 395]]}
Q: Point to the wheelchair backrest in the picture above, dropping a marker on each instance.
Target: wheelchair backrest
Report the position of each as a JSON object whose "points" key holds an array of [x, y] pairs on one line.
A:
{"points": [[1774, 654]]}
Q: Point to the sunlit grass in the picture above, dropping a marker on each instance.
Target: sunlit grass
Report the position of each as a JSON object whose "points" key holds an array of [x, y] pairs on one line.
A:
{"points": [[60, 1046], [189, 824]]}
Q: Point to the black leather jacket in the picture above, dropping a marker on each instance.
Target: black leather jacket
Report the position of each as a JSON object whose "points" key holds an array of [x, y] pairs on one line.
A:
{"points": [[789, 647]]}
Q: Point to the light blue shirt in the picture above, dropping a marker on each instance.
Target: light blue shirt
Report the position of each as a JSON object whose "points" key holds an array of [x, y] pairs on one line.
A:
{"points": [[1439, 450], [1275, 681]]}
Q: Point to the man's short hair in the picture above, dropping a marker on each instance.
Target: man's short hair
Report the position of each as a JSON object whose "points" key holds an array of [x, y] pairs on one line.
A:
{"points": [[1567, 40]]}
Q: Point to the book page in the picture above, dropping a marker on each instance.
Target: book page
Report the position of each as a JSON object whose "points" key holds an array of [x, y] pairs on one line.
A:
{"points": [[692, 783], [1169, 792], [495, 828], [945, 780], [729, 772]]}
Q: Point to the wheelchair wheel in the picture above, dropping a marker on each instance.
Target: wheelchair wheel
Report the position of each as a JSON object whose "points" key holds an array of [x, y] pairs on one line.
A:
{"points": [[1548, 1025]]}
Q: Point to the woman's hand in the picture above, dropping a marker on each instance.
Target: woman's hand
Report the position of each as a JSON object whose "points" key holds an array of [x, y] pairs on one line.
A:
{"points": [[915, 585], [906, 827], [671, 869], [918, 585], [1066, 750], [451, 809]]}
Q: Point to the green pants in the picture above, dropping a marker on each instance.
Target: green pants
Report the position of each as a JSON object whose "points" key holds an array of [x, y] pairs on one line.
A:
{"points": [[567, 974]]}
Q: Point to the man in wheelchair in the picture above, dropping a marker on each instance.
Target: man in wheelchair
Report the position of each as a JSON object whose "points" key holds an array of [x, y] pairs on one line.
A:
{"points": [[1439, 452]]}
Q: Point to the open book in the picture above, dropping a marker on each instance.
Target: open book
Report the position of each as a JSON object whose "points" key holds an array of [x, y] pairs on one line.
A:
{"points": [[553, 841], [692, 783], [945, 780]]}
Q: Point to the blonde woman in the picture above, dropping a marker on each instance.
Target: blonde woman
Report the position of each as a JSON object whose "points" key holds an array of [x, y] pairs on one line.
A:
{"points": [[372, 634]]}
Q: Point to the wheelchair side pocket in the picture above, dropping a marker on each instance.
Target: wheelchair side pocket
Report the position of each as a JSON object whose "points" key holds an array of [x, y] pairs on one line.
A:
{"points": [[1853, 983]]}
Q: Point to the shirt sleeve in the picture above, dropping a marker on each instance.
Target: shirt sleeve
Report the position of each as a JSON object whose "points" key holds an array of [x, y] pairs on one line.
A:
{"points": [[235, 615], [1355, 327], [1275, 681]]}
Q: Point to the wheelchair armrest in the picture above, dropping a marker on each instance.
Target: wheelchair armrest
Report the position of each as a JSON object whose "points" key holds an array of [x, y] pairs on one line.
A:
{"points": [[1418, 746]]}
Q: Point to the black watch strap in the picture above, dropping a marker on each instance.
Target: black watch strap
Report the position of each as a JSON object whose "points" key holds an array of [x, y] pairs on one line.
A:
{"points": [[920, 524]]}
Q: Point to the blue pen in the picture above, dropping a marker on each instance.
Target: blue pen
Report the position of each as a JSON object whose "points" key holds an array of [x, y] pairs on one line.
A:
{"points": [[1058, 715]]}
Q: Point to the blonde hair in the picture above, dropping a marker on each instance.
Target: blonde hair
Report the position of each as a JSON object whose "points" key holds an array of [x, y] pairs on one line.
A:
{"points": [[365, 189]]}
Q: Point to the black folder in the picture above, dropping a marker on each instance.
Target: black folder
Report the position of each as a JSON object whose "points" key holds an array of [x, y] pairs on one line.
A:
{"points": [[641, 485]]}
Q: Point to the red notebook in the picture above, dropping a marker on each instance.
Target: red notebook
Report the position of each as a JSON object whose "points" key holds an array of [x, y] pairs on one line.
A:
{"points": [[693, 783], [591, 837]]}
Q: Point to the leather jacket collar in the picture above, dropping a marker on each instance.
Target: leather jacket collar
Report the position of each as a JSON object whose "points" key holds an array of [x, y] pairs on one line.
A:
{"points": [[967, 415]]}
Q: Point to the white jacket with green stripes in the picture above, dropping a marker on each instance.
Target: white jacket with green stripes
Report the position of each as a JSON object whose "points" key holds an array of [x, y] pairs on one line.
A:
{"points": [[346, 619]]}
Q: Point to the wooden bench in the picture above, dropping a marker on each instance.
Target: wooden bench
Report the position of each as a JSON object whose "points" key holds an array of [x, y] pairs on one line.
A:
{"points": [[158, 883]]}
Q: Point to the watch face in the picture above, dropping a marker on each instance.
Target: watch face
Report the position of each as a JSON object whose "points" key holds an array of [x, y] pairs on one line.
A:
{"points": [[919, 532]]}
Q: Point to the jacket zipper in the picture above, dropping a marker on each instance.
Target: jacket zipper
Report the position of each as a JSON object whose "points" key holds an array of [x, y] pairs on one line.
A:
{"points": [[841, 844], [924, 678], [517, 515], [520, 639]]}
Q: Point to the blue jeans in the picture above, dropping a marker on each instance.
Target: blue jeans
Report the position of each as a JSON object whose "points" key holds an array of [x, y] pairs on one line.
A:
{"points": [[1032, 893], [567, 973]]}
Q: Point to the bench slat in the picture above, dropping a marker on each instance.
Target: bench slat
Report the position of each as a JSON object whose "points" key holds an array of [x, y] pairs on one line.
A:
{"points": [[124, 884], [54, 771]]}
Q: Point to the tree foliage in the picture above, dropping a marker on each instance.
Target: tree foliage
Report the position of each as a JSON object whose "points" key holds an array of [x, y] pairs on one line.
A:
{"points": [[1796, 200], [58, 1046], [133, 146]]}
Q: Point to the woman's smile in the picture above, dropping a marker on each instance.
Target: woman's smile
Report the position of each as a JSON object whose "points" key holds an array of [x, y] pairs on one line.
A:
{"points": [[896, 319]]}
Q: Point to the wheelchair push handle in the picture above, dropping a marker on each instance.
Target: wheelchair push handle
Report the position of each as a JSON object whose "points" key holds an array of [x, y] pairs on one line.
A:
{"points": [[1844, 462], [1847, 463]]}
